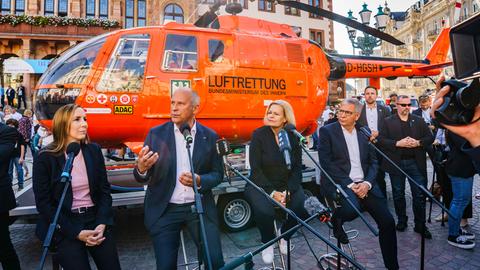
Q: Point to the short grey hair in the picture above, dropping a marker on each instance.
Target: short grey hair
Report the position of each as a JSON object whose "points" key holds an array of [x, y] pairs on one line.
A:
{"points": [[355, 102], [195, 96]]}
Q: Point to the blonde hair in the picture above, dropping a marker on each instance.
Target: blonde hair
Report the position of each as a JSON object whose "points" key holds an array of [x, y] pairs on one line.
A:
{"points": [[61, 128], [287, 111]]}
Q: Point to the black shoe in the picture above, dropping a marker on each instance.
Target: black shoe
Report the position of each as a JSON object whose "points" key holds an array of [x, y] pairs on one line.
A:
{"points": [[426, 234], [401, 226], [338, 231], [20, 188], [460, 242], [468, 235]]}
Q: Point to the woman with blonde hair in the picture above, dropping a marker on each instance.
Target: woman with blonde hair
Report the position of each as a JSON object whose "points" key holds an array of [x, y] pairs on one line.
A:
{"points": [[269, 171], [86, 214]]}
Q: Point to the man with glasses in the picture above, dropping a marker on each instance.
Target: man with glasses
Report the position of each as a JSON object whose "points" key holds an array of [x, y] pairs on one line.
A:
{"points": [[347, 157], [403, 139]]}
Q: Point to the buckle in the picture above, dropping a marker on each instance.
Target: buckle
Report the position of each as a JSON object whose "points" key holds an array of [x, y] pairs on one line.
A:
{"points": [[82, 210]]}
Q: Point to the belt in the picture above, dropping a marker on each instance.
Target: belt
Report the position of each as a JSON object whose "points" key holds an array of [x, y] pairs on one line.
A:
{"points": [[82, 210]]}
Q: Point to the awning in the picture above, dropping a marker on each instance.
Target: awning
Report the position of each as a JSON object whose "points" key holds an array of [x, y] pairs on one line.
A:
{"points": [[25, 66]]}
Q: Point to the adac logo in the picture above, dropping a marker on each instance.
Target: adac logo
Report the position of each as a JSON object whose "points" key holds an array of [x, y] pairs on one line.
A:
{"points": [[102, 98], [90, 98], [123, 109], [113, 99], [124, 99]]}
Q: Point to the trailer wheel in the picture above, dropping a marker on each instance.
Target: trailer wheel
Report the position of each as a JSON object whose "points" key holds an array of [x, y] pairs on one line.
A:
{"points": [[234, 212]]}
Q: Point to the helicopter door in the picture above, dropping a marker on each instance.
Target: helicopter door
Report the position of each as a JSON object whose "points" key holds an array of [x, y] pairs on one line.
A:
{"points": [[126, 67]]}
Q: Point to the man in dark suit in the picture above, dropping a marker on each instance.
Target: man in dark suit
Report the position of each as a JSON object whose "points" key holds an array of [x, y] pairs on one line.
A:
{"points": [[346, 156], [8, 256], [163, 164], [10, 92], [373, 115], [404, 139]]}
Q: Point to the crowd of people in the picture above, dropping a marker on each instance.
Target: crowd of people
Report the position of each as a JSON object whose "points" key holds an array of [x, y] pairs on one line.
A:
{"points": [[10, 96], [345, 153]]}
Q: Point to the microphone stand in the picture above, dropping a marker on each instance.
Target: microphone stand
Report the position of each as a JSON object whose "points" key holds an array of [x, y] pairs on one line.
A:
{"points": [[423, 189], [199, 209], [293, 215], [67, 178], [341, 191]]}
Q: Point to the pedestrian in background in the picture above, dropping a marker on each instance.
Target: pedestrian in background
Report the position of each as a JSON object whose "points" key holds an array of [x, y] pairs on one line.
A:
{"points": [[18, 155], [21, 96], [10, 92], [2, 96]]}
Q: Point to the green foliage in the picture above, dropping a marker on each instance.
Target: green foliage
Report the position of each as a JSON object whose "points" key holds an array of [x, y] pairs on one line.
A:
{"points": [[57, 21]]}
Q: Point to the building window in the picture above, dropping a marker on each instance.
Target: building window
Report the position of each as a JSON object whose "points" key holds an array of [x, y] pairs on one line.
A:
{"points": [[142, 13], [292, 11], [48, 9], [5, 6], [173, 12], [19, 7], [265, 5], [62, 8], [103, 9], [90, 8], [318, 36], [315, 3], [475, 7], [129, 14]]}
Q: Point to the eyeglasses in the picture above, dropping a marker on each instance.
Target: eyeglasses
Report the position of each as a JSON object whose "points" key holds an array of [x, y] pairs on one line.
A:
{"points": [[404, 105], [347, 113]]}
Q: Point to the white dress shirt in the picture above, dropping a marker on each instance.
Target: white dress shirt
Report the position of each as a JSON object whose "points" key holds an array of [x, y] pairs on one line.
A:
{"points": [[183, 194], [372, 117], [356, 171], [426, 115]]}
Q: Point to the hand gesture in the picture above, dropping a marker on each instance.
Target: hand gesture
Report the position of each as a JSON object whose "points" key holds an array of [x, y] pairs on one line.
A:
{"points": [[360, 189], [470, 132], [405, 142], [187, 180], [146, 159], [280, 197], [97, 237]]}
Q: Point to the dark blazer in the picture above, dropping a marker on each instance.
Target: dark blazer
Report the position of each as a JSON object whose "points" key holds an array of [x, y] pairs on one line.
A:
{"points": [[382, 112], [458, 163], [333, 157], [8, 138], [47, 188], [269, 170], [161, 178], [392, 133]]}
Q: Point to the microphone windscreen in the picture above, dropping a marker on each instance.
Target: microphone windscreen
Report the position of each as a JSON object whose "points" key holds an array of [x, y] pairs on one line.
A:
{"points": [[313, 206], [289, 127], [223, 147], [283, 141], [184, 127], [74, 148]]}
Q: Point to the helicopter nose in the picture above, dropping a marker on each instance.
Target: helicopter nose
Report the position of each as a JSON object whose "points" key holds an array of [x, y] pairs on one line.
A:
{"points": [[47, 100]]}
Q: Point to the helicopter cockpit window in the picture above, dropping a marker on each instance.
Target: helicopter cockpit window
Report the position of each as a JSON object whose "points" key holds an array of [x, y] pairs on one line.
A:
{"points": [[73, 66], [125, 69], [215, 50], [180, 53]]}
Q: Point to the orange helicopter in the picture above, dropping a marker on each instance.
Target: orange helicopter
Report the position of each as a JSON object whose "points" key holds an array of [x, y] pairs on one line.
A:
{"points": [[124, 79]]}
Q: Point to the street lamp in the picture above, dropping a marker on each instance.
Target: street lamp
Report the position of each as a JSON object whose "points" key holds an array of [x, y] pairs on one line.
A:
{"points": [[367, 43]]}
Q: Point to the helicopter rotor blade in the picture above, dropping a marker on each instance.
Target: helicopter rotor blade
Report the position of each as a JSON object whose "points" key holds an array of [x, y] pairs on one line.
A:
{"points": [[210, 17], [341, 19]]}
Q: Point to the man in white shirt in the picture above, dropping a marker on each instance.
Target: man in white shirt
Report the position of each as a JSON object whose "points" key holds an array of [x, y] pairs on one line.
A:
{"points": [[163, 164], [347, 157]]}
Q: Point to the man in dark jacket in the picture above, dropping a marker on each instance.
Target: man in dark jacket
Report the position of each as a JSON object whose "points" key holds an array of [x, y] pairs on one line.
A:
{"points": [[403, 140], [373, 115], [21, 96], [8, 256], [10, 93]]}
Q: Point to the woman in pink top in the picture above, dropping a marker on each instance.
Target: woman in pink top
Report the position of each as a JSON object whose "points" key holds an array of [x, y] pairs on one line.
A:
{"points": [[86, 216]]}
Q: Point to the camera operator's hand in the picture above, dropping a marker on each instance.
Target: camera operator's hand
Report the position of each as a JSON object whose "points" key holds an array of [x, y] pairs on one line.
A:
{"points": [[470, 132]]}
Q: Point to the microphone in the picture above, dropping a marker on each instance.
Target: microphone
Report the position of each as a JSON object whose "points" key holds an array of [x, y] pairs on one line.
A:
{"points": [[72, 151], [313, 206], [366, 131], [223, 149], [285, 147], [185, 130], [293, 129]]}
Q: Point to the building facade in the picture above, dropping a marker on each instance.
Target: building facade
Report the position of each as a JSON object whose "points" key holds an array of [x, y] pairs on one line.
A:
{"points": [[42, 29], [418, 27]]}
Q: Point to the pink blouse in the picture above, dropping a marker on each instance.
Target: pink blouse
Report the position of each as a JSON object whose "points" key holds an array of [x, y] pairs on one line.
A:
{"points": [[80, 187]]}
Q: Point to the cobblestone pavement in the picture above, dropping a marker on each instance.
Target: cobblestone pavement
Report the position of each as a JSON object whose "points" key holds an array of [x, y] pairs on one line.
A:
{"points": [[136, 251]]}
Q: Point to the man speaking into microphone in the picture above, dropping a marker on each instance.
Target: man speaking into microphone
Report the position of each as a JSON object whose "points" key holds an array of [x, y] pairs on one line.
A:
{"points": [[345, 155], [163, 164], [277, 172]]}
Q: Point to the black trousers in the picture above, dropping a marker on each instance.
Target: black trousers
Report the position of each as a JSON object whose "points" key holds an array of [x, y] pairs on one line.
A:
{"points": [[19, 100], [264, 212], [8, 256], [73, 254], [378, 209], [166, 241]]}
